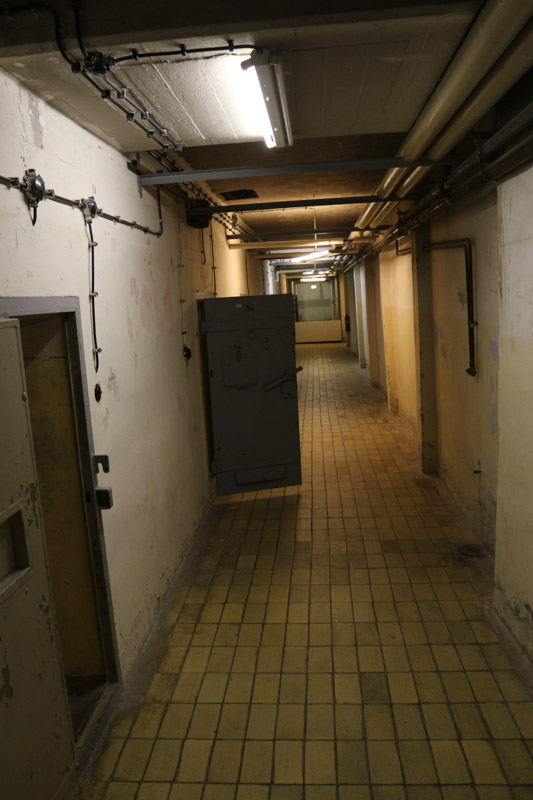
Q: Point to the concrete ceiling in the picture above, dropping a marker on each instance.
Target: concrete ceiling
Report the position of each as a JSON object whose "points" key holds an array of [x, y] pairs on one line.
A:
{"points": [[354, 85]]}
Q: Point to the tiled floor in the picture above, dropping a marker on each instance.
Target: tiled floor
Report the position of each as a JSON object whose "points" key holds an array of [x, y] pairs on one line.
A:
{"points": [[330, 643]]}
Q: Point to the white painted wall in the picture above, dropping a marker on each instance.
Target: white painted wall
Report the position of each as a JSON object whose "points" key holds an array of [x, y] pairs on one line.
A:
{"points": [[150, 419], [360, 306], [468, 406], [396, 291], [514, 528]]}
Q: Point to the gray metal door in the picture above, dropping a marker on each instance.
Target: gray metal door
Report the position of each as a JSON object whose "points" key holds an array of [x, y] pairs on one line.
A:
{"points": [[38, 756], [253, 392]]}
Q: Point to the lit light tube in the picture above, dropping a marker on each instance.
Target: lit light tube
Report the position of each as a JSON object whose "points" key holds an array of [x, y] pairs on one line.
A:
{"points": [[312, 280], [310, 256], [270, 78]]}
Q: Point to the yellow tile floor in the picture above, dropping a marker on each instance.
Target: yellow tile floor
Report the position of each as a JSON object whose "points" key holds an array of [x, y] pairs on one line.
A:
{"points": [[329, 643]]}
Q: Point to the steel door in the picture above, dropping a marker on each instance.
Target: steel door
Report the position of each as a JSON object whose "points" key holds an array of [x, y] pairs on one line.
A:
{"points": [[253, 392], [38, 756]]}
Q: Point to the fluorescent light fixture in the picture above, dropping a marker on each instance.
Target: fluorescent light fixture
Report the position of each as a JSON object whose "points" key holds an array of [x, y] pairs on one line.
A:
{"points": [[312, 280], [270, 79], [311, 256]]}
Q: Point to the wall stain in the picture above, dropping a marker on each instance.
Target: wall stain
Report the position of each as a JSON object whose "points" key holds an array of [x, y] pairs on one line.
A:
{"points": [[130, 325], [494, 418], [167, 301], [6, 689], [134, 290], [112, 385], [105, 419], [443, 350]]}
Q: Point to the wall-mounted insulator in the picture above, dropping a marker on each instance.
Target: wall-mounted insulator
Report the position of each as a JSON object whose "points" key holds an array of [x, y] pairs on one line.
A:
{"points": [[98, 63], [33, 187], [90, 210]]}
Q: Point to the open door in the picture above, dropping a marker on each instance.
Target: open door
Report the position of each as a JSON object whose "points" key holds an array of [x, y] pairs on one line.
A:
{"points": [[38, 755], [252, 392]]}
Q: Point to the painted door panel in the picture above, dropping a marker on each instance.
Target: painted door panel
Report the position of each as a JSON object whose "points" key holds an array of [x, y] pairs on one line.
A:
{"points": [[253, 392], [38, 758]]}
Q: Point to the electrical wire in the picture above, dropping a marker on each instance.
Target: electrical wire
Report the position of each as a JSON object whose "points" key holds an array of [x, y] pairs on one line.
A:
{"points": [[36, 7], [76, 11], [204, 259], [213, 259], [183, 51], [93, 294], [185, 349], [90, 211], [121, 92]]}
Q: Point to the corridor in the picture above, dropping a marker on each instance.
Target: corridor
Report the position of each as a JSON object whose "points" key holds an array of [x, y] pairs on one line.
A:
{"points": [[329, 642]]}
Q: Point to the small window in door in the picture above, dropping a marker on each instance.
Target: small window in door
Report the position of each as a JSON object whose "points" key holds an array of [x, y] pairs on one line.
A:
{"points": [[14, 562]]}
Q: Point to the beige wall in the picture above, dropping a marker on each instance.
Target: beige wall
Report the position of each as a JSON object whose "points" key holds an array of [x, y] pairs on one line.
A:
{"points": [[150, 418], [514, 539], [467, 406], [396, 289]]}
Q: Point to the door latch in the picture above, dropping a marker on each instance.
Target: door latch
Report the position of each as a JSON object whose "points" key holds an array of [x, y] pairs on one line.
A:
{"points": [[103, 494], [100, 461], [289, 376], [104, 497]]}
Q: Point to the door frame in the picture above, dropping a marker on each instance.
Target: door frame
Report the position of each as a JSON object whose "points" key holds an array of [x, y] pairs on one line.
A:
{"points": [[69, 308]]}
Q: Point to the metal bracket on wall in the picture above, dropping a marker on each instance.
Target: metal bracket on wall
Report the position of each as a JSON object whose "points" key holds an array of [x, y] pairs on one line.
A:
{"points": [[104, 497], [100, 461]]}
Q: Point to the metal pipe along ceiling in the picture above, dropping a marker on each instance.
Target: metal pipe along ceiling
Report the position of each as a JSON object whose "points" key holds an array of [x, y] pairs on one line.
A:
{"points": [[506, 72], [493, 30]]}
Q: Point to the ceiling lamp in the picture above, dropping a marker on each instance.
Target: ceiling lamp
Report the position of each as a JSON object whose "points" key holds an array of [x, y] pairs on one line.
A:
{"points": [[270, 77], [312, 280], [311, 256]]}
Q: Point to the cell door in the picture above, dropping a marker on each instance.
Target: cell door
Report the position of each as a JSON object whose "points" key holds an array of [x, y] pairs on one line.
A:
{"points": [[38, 758], [253, 392]]}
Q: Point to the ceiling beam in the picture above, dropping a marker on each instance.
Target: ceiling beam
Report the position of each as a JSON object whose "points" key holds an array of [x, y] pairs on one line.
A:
{"points": [[208, 211], [230, 173]]}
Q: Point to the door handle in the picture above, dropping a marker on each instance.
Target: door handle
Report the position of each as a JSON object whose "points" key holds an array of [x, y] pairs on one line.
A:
{"points": [[287, 377]]}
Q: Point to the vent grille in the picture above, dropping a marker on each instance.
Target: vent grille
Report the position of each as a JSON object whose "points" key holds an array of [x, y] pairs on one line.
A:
{"points": [[239, 194]]}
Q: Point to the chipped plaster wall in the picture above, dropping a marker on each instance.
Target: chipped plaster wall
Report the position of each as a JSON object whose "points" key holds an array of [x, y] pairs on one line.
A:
{"points": [[514, 540], [467, 407], [396, 289], [150, 418]]}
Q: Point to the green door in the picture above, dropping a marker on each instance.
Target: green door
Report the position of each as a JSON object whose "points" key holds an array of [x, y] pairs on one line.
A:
{"points": [[38, 755]]}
